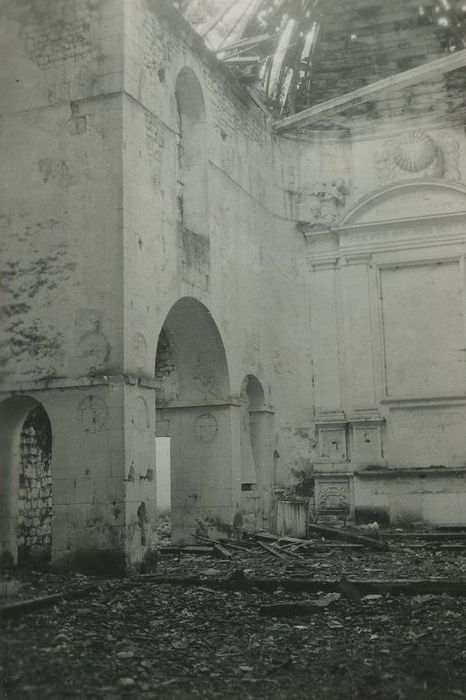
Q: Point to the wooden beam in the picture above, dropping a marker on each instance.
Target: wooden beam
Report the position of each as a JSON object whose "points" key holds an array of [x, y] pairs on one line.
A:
{"points": [[394, 82], [242, 59], [335, 533], [238, 580], [243, 43]]}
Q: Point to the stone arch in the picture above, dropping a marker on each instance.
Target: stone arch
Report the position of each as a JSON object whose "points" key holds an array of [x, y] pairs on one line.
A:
{"points": [[194, 409], [194, 354], [26, 480], [192, 187], [418, 197]]}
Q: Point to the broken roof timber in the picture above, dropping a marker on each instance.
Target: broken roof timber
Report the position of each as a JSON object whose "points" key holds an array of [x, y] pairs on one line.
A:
{"points": [[243, 43], [368, 92]]}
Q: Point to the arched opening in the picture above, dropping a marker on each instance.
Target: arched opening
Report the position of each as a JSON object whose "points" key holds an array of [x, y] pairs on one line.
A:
{"points": [[193, 419], [252, 400], [26, 482], [256, 454], [192, 193]]}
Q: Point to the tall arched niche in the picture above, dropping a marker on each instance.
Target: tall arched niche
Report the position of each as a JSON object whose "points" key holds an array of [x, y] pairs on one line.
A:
{"points": [[192, 184]]}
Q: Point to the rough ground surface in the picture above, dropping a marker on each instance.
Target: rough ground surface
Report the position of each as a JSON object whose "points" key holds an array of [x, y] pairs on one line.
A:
{"points": [[163, 641]]}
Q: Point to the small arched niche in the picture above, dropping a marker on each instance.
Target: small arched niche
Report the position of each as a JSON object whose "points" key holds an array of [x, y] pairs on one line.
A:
{"points": [[192, 188], [26, 481], [252, 401]]}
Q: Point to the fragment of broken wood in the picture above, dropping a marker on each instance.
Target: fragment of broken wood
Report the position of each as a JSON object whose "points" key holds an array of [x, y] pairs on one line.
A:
{"points": [[290, 550], [272, 550], [220, 549], [436, 536], [277, 538], [24, 606], [217, 546], [186, 549], [314, 546], [335, 533], [233, 545], [243, 43], [294, 608], [307, 544], [242, 59]]}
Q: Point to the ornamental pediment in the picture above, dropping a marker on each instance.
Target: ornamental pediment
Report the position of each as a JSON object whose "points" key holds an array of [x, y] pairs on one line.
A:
{"points": [[408, 200]]}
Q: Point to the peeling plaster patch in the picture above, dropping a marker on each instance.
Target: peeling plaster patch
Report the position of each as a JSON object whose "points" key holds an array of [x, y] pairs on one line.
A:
{"points": [[143, 521], [33, 279], [154, 143], [52, 38], [56, 169], [139, 350], [195, 258], [78, 123]]}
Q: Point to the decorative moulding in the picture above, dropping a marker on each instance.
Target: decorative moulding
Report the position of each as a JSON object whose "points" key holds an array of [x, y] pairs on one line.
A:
{"points": [[333, 493], [326, 417], [409, 473], [415, 196], [417, 153]]}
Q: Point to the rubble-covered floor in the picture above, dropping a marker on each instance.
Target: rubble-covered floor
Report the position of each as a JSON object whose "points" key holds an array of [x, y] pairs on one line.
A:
{"points": [[165, 641]]}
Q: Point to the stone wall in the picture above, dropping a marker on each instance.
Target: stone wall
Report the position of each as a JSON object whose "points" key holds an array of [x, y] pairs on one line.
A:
{"points": [[35, 511], [98, 258]]}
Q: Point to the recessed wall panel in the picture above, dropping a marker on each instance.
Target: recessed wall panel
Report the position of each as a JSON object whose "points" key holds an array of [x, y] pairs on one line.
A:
{"points": [[423, 329]]}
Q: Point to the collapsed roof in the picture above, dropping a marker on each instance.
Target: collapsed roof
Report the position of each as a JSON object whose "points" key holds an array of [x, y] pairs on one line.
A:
{"points": [[299, 53]]}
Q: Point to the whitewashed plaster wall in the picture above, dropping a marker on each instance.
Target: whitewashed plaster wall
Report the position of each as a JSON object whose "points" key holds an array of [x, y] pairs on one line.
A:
{"points": [[247, 265], [93, 260], [388, 318]]}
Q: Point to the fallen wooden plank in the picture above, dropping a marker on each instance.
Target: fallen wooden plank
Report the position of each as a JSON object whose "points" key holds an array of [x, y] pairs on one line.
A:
{"points": [[311, 544], [218, 546], [294, 608], [439, 536], [291, 552], [276, 538], [220, 549], [316, 546], [239, 581], [243, 43], [25, 606], [421, 73], [233, 545], [335, 533], [273, 551], [186, 549], [242, 59]]}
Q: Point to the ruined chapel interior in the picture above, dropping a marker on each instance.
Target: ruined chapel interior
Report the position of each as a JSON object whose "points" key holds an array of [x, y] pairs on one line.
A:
{"points": [[233, 271]]}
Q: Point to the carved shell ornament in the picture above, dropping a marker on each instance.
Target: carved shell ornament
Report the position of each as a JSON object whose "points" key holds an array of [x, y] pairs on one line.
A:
{"points": [[414, 152]]}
